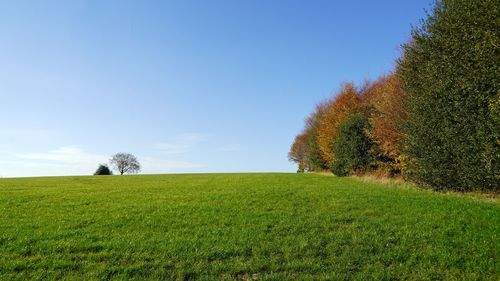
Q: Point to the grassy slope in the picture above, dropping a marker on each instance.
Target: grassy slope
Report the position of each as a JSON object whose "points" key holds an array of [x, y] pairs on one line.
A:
{"points": [[241, 226]]}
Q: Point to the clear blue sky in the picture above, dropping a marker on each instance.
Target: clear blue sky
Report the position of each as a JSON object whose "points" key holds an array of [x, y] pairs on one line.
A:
{"points": [[186, 86]]}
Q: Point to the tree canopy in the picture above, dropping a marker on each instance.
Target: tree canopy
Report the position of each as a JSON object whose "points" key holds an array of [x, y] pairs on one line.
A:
{"points": [[125, 163]]}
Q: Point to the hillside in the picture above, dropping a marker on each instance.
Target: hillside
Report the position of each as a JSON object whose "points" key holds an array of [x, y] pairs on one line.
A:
{"points": [[243, 227]]}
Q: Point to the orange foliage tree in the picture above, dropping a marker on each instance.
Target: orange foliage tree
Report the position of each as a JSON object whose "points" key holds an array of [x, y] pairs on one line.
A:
{"points": [[315, 158], [305, 149], [346, 102], [383, 100], [299, 152]]}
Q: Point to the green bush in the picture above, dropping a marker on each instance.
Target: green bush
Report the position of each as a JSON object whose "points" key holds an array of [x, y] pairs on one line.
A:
{"points": [[103, 170], [353, 148], [450, 70]]}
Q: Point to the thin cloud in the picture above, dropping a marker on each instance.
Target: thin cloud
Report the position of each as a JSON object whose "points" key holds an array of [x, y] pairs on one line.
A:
{"points": [[66, 160], [66, 154], [158, 166], [230, 148], [23, 134], [183, 143]]}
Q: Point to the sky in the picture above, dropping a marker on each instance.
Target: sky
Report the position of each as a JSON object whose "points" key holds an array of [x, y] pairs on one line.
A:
{"points": [[186, 86]]}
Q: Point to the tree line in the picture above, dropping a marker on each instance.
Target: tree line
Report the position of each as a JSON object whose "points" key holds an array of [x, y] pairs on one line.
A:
{"points": [[434, 120]]}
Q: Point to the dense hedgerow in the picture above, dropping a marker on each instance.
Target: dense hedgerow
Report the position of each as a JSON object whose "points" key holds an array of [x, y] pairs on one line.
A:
{"points": [[452, 74], [437, 118]]}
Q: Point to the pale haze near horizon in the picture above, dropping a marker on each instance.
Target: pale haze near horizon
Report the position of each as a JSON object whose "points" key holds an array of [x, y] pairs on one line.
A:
{"points": [[186, 86]]}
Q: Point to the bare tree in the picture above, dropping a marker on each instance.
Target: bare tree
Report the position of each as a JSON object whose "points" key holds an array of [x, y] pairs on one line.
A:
{"points": [[125, 163]]}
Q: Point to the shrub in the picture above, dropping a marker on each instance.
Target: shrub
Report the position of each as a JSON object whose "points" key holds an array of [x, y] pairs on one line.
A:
{"points": [[103, 170], [353, 147]]}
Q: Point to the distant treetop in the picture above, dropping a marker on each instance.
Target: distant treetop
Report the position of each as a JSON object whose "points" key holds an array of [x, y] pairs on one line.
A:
{"points": [[125, 163], [103, 170]]}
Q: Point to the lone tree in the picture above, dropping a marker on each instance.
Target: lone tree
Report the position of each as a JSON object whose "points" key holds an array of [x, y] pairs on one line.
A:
{"points": [[125, 163]]}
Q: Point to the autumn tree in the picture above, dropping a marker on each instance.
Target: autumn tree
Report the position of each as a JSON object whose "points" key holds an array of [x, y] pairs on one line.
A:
{"points": [[305, 149], [383, 104], [347, 101], [315, 157], [125, 163], [299, 152]]}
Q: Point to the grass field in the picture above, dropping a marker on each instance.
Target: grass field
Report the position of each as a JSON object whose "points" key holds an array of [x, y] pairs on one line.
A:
{"points": [[243, 227]]}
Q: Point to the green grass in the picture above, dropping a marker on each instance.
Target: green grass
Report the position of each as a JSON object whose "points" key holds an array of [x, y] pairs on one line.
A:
{"points": [[243, 227]]}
